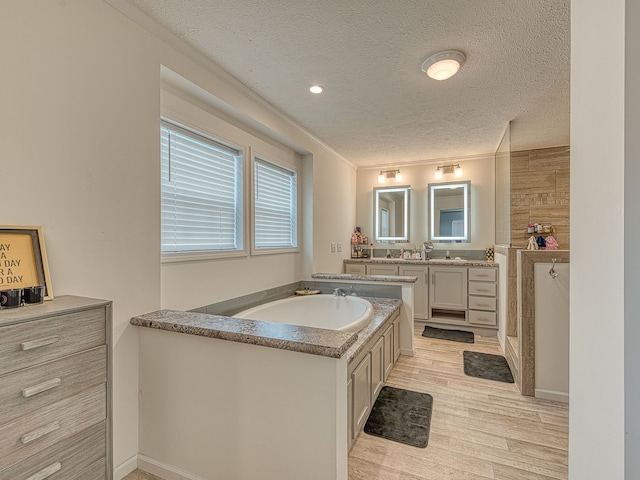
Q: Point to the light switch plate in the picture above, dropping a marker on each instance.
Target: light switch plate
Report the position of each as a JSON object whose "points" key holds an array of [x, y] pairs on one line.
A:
{"points": [[339, 246], [333, 247]]}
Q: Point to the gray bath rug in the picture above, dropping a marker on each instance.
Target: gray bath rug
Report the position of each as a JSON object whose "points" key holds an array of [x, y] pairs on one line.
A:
{"points": [[487, 366], [444, 334], [402, 416]]}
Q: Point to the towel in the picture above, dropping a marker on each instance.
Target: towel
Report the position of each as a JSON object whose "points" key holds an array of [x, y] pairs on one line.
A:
{"points": [[532, 243], [552, 243]]}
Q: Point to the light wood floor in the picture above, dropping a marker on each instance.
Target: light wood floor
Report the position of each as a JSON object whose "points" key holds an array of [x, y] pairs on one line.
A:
{"points": [[480, 429]]}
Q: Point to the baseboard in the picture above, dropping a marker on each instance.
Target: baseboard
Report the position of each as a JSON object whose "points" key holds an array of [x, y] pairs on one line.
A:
{"points": [[168, 472], [125, 468], [552, 395], [408, 352]]}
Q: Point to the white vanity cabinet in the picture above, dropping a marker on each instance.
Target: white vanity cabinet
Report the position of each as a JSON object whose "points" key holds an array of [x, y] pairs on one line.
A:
{"points": [[420, 290], [377, 269], [482, 297], [355, 268], [377, 367], [361, 378], [367, 373], [448, 294]]}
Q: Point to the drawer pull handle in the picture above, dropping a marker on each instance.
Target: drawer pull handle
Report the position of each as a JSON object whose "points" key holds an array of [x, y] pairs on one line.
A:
{"points": [[483, 289], [40, 342], [42, 387], [40, 432], [482, 275], [46, 472], [484, 305]]}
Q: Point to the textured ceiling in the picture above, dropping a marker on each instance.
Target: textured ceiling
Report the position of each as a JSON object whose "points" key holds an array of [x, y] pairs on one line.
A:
{"points": [[378, 107]]}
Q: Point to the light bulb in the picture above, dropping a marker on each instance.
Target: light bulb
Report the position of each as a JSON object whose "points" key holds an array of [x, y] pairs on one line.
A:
{"points": [[458, 171], [381, 178], [398, 176], [443, 69], [438, 174]]}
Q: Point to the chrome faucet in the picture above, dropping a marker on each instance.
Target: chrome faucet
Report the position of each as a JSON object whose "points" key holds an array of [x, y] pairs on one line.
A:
{"points": [[338, 292]]}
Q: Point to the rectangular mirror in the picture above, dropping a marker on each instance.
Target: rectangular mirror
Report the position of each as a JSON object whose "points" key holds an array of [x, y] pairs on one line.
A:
{"points": [[449, 205], [391, 210]]}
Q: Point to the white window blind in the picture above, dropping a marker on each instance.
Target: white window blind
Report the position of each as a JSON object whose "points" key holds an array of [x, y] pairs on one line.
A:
{"points": [[202, 206], [275, 206]]}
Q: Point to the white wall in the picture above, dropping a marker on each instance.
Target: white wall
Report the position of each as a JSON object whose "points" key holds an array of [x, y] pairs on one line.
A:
{"points": [[81, 95], [479, 171], [597, 354], [552, 332], [254, 412]]}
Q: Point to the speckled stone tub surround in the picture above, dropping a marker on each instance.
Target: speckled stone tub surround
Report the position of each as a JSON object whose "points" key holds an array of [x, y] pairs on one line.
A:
{"points": [[316, 341]]}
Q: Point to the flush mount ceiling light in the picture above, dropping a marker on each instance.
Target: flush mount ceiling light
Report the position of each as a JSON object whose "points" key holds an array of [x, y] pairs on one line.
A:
{"points": [[316, 89], [456, 169], [443, 65], [389, 174]]}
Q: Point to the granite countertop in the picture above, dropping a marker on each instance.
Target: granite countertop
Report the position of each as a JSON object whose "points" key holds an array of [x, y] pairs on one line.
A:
{"points": [[370, 278], [418, 261], [316, 341]]}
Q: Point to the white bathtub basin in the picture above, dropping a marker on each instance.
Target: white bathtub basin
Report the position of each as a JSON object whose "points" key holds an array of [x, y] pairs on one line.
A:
{"points": [[349, 314]]}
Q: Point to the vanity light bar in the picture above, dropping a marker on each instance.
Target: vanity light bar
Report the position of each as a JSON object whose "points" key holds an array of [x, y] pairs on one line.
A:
{"points": [[389, 174], [448, 169]]}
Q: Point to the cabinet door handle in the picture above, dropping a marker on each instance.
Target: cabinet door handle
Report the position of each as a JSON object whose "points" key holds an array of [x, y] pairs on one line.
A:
{"points": [[484, 305], [40, 432], [46, 472], [42, 387], [40, 342], [483, 289]]}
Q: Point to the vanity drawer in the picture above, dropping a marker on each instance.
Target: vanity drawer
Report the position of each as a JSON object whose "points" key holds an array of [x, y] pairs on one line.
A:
{"points": [[482, 288], [482, 318], [482, 274], [482, 303], [30, 434], [77, 457], [30, 343], [29, 389]]}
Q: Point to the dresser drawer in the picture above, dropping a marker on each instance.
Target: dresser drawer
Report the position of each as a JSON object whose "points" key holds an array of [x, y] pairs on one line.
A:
{"points": [[477, 317], [29, 389], [38, 341], [28, 435], [482, 303], [69, 459], [482, 274], [96, 471], [482, 288]]}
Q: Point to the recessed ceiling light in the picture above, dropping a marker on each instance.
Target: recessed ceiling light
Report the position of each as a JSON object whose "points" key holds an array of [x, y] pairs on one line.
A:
{"points": [[443, 65], [316, 89]]}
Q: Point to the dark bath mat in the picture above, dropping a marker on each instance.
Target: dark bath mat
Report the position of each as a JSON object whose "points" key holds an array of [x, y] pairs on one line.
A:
{"points": [[402, 416], [487, 366], [444, 334]]}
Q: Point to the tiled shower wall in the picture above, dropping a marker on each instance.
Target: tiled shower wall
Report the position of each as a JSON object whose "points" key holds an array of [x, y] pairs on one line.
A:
{"points": [[540, 193]]}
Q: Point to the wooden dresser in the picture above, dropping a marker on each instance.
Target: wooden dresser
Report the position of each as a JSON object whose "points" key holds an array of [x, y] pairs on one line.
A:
{"points": [[55, 391]]}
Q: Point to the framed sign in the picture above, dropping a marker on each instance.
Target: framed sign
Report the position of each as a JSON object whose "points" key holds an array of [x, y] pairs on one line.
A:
{"points": [[23, 259]]}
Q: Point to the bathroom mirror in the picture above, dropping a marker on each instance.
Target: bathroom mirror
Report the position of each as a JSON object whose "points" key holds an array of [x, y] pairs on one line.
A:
{"points": [[391, 210], [449, 205]]}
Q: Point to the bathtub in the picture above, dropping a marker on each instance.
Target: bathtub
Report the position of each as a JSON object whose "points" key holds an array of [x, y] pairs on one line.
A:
{"points": [[348, 314]]}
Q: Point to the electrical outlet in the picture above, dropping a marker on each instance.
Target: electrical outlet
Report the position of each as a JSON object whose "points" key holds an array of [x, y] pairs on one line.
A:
{"points": [[333, 247], [339, 246]]}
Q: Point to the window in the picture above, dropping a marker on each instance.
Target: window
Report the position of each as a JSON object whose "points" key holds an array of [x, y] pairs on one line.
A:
{"points": [[275, 207], [202, 207]]}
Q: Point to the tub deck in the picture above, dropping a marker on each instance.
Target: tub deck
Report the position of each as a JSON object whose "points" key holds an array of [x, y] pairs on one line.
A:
{"points": [[316, 341]]}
